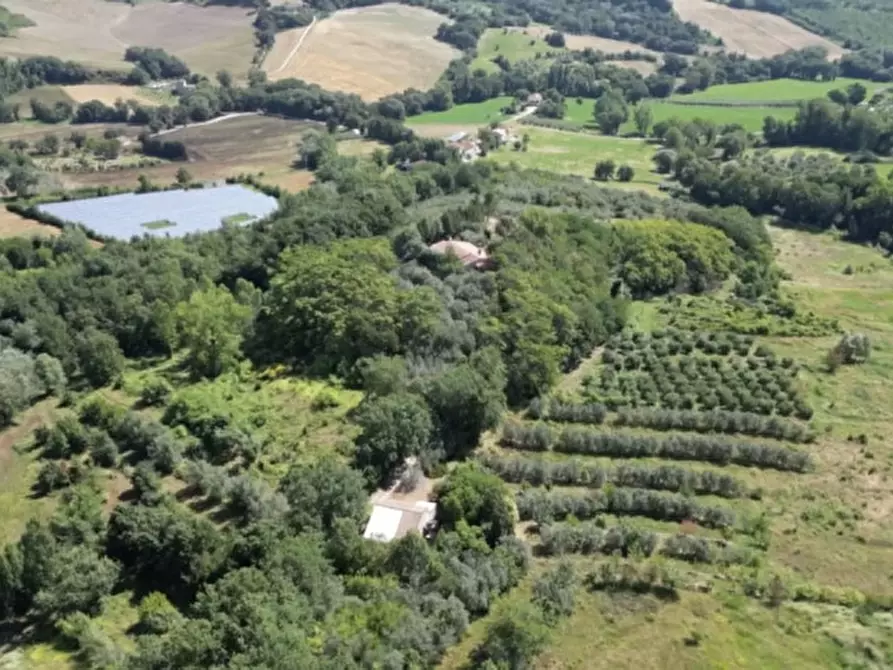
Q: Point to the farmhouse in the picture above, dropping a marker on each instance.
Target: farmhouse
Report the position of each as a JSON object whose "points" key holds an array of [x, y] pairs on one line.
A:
{"points": [[467, 253], [403, 508]]}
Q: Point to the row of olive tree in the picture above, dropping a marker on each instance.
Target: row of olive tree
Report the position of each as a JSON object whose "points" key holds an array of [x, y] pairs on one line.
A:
{"points": [[590, 538], [715, 421], [545, 506], [719, 450], [712, 421], [572, 472]]}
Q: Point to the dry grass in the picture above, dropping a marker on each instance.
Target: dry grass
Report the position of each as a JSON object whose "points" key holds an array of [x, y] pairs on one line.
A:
{"points": [[107, 93], [371, 51], [757, 34], [245, 144], [97, 32], [13, 225]]}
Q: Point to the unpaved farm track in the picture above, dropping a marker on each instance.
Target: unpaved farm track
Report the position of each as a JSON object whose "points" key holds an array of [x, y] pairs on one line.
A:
{"points": [[757, 34], [294, 52]]}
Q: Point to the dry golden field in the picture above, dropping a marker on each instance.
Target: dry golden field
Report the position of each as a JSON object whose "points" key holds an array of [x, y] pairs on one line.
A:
{"points": [[98, 32], [757, 34], [370, 51]]}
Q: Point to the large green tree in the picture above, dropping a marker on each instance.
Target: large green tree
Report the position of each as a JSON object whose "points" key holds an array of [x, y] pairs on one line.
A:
{"points": [[337, 304], [393, 427], [211, 325], [611, 112]]}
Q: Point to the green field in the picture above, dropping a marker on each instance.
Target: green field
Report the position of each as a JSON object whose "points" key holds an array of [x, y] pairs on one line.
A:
{"points": [[577, 153], [775, 90], [477, 113], [512, 44], [751, 118]]}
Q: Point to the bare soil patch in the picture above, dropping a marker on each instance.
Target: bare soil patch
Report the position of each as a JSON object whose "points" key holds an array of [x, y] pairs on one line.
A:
{"points": [[757, 34], [98, 32], [370, 51]]}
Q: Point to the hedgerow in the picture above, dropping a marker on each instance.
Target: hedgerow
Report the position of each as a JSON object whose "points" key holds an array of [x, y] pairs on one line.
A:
{"points": [[541, 506], [573, 472], [721, 451]]}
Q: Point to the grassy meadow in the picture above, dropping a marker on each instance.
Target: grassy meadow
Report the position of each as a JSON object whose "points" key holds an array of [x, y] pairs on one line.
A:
{"points": [[515, 45], [577, 153], [750, 118], [474, 113], [775, 90]]}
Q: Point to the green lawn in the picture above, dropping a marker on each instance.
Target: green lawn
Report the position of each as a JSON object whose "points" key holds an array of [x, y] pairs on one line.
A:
{"points": [[775, 90], [751, 118], [479, 113], [512, 44], [577, 153]]}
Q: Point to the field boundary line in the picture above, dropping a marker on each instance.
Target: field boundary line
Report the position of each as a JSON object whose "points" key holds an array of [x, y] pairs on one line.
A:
{"points": [[294, 51]]}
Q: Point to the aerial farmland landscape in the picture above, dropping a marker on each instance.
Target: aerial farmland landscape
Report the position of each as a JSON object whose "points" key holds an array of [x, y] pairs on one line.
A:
{"points": [[369, 335]]}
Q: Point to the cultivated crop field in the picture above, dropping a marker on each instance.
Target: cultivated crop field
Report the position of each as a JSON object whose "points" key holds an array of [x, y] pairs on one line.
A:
{"points": [[775, 90], [370, 51], [757, 34], [174, 213], [97, 32]]}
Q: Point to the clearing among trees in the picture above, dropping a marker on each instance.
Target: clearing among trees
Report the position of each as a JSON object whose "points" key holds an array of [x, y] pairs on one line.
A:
{"points": [[108, 93], [371, 51], [756, 34], [97, 32]]}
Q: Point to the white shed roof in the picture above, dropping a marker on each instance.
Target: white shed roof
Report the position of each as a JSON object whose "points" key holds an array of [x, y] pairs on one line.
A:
{"points": [[383, 524]]}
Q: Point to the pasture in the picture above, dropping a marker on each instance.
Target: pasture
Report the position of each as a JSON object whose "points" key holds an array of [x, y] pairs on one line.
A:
{"points": [[577, 153], [515, 44], [756, 34], [14, 225], [227, 148], [97, 32], [749, 117], [774, 90], [174, 213], [528, 43], [370, 51], [471, 114]]}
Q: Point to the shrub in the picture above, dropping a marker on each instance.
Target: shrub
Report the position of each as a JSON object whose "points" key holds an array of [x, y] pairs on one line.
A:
{"points": [[156, 392]]}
